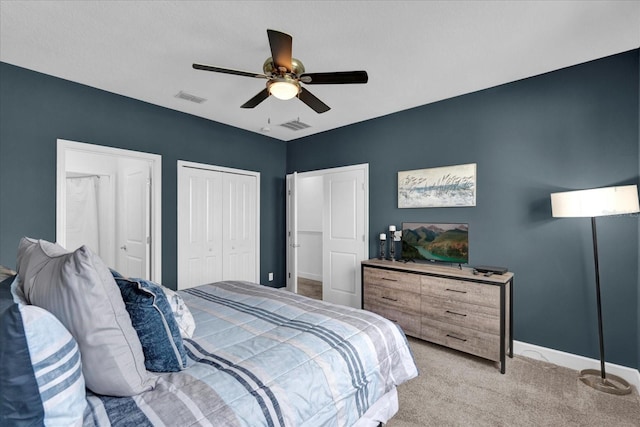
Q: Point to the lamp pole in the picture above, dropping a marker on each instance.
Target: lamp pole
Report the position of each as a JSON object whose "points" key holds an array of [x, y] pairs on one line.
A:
{"points": [[599, 302]]}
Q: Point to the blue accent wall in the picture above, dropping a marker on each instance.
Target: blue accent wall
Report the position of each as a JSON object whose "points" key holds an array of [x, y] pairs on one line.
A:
{"points": [[36, 109], [570, 129]]}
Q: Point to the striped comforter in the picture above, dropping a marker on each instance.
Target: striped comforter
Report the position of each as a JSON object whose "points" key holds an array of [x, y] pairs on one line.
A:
{"points": [[266, 357]]}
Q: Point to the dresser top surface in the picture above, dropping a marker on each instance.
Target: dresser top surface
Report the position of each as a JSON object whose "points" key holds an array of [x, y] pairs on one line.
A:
{"points": [[465, 273]]}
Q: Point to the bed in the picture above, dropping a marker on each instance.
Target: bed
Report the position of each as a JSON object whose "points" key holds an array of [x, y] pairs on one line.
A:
{"points": [[261, 356]]}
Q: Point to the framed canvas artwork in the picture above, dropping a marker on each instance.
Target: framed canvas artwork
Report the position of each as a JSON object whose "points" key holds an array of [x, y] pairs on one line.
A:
{"points": [[447, 186]]}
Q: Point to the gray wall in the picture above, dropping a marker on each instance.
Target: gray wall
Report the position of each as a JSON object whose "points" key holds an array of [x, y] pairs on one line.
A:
{"points": [[571, 129], [36, 109]]}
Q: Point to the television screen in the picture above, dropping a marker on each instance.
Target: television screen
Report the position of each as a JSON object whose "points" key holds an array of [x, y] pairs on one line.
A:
{"points": [[428, 241]]}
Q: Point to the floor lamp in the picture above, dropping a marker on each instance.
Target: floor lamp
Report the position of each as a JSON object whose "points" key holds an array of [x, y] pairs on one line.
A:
{"points": [[592, 203]]}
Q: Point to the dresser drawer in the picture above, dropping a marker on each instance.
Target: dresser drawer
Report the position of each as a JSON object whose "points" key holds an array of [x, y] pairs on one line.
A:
{"points": [[409, 322], [460, 338], [478, 317], [392, 297], [392, 279], [460, 290]]}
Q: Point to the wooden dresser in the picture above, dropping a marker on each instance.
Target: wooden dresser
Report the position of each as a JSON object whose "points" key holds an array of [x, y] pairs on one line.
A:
{"points": [[445, 305]]}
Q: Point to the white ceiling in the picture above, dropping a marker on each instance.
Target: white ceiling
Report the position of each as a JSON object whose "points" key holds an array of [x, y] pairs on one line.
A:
{"points": [[416, 52]]}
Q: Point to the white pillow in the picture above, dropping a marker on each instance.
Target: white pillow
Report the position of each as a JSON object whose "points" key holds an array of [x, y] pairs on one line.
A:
{"points": [[55, 359], [77, 287]]}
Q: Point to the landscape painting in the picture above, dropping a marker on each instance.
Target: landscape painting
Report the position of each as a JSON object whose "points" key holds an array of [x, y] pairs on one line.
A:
{"points": [[448, 186]]}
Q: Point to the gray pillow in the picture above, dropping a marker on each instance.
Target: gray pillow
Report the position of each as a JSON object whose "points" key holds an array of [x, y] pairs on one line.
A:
{"points": [[77, 287]]}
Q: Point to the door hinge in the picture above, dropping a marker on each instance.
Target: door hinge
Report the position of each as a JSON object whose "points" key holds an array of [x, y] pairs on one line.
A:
{"points": [[148, 240]]}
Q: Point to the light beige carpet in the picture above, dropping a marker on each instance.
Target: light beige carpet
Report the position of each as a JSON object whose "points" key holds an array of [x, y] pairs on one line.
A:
{"points": [[456, 389]]}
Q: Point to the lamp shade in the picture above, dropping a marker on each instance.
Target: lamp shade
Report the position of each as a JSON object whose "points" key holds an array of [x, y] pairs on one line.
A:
{"points": [[595, 202]]}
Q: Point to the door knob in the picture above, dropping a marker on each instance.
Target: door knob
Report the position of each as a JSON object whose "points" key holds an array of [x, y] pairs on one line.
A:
{"points": [[123, 247]]}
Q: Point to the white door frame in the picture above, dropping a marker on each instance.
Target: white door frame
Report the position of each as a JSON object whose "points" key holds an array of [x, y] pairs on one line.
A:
{"points": [[186, 164], [322, 172], [292, 233], [155, 161]]}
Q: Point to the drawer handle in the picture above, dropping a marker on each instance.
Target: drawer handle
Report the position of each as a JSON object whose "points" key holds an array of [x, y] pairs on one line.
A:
{"points": [[390, 280], [457, 338], [455, 290], [390, 299], [453, 312]]}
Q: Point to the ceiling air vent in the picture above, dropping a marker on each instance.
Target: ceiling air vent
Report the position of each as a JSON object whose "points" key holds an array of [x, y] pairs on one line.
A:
{"points": [[188, 97], [295, 125]]}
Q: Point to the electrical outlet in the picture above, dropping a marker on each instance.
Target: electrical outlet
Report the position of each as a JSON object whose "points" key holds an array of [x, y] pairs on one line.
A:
{"points": [[271, 277]]}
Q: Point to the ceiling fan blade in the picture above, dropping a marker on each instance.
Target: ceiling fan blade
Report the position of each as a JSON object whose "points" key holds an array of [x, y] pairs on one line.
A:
{"points": [[280, 48], [228, 71], [338, 77], [253, 102], [313, 102]]}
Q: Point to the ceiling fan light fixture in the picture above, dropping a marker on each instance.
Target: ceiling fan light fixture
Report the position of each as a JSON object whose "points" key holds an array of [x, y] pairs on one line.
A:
{"points": [[284, 89], [284, 74]]}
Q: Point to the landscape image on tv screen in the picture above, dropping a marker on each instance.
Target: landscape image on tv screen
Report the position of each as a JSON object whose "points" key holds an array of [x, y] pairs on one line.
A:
{"points": [[442, 242]]}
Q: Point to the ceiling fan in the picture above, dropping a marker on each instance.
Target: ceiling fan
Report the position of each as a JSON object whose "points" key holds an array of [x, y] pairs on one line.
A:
{"points": [[285, 73]]}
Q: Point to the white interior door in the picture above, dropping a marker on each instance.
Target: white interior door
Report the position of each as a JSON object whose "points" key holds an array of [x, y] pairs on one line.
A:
{"points": [[134, 226], [199, 227], [345, 243], [88, 159], [292, 233], [239, 227]]}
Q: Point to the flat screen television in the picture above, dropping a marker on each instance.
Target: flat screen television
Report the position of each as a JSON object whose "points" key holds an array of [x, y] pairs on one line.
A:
{"points": [[435, 242]]}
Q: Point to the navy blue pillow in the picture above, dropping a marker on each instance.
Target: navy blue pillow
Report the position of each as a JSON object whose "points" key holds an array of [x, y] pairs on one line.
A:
{"points": [[20, 403], [155, 324]]}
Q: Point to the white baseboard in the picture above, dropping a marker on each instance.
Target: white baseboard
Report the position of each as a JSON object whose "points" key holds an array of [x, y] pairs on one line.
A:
{"points": [[573, 361]]}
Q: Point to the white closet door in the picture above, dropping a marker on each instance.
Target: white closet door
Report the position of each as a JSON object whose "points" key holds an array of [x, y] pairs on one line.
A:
{"points": [[199, 227], [218, 225], [239, 230]]}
